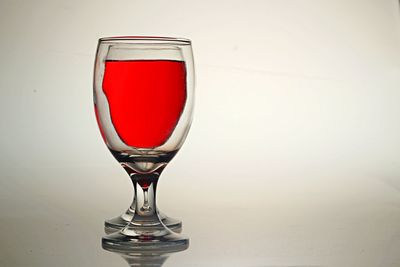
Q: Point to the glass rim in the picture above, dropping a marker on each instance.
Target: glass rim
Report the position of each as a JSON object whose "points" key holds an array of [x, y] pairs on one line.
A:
{"points": [[145, 40]]}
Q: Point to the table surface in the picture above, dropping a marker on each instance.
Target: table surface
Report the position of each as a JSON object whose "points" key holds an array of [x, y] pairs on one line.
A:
{"points": [[305, 222]]}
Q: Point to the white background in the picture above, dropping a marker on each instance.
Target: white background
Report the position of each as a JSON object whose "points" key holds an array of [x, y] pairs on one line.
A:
{"points": [[296, 128]]}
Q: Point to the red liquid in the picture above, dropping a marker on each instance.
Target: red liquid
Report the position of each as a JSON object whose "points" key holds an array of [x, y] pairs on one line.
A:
{"points": [[146, 99]]}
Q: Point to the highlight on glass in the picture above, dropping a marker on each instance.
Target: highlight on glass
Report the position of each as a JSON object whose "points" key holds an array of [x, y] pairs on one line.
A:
{"points": [[143, 98]]}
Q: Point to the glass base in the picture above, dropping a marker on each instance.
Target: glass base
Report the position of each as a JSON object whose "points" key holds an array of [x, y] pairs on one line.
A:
{"points": [[118, 223], [156, 240]]}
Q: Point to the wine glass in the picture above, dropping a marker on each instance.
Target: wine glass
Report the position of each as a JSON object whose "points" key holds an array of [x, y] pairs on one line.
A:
{"points": [[143, 97]]}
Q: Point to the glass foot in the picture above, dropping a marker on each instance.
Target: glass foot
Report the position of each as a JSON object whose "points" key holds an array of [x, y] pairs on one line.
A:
{"points": [[154, 240], [118, 223]]}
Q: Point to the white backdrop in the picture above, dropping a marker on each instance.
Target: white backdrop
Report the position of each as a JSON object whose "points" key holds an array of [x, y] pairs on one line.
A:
{"points": [[297, 111]]}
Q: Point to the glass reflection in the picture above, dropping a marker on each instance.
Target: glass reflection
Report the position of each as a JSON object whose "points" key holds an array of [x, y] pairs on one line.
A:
{"points": [[147, 258], [153, 260], [144, 259]]}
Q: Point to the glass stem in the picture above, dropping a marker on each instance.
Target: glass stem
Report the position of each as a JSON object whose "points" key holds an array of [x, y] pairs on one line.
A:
{"points": [[146, 206], [145, 211], [145, 200]]}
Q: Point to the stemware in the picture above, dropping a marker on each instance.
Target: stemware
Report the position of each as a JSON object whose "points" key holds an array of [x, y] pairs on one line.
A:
{"points": [[143, 97]]}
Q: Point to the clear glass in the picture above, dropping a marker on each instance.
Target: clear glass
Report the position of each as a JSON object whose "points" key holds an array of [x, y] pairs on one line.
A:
{"points": [[143, 97]]}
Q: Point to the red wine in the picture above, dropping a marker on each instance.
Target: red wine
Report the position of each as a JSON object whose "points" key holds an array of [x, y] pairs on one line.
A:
{"points": [[146, 99]]}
